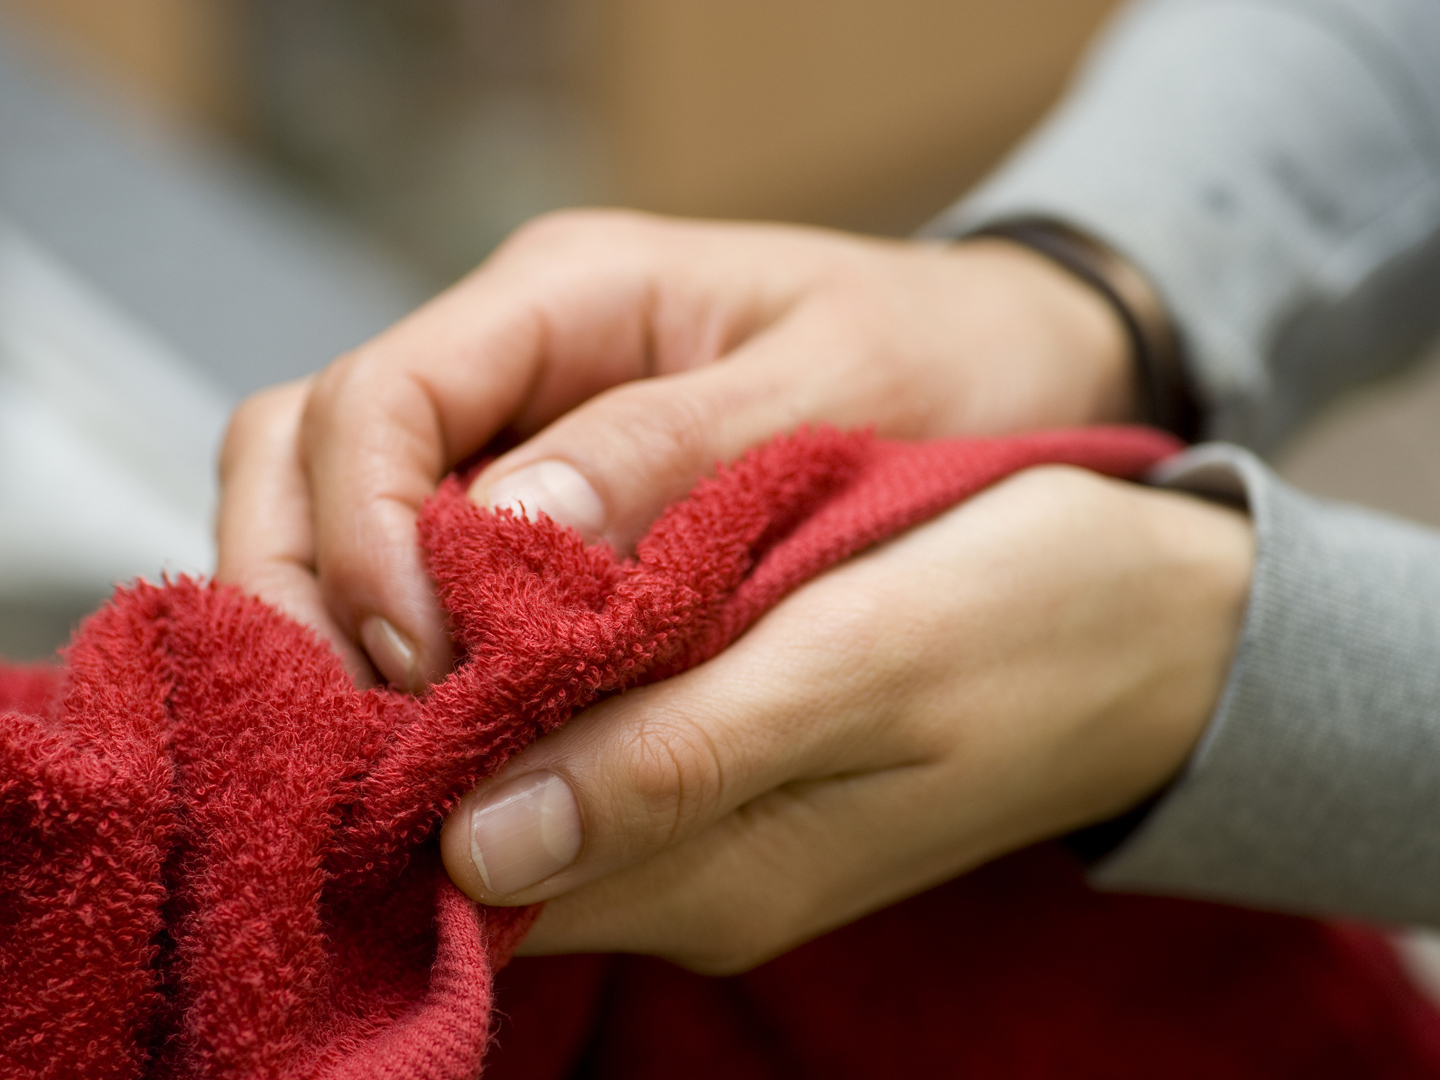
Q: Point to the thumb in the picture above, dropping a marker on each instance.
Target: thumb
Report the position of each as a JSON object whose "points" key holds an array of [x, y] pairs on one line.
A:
{"points": [[643, 772]]}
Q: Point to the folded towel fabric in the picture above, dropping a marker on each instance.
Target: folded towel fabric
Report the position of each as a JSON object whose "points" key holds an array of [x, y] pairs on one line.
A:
{"points": [[218, 858]]}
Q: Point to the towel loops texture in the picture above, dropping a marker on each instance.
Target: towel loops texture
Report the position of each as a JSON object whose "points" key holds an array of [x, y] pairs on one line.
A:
{"points": [[218, 858]]}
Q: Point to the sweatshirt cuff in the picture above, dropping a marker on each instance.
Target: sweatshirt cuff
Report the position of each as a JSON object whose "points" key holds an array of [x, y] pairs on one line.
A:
{"points": [[1316, 787], [1258, 161]]}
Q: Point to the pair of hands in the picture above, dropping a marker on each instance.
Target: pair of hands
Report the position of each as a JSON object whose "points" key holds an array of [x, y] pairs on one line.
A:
{"points": [[1040, 657]]}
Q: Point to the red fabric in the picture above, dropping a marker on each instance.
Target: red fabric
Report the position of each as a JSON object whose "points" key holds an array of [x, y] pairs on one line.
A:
{"points": [[1017, 971], [217, 857]]}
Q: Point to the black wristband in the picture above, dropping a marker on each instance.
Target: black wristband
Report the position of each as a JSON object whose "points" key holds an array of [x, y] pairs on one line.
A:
{"points": [[1164, 387]]}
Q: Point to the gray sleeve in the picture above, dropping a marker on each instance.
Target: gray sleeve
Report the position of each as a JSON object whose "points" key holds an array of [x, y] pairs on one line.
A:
{"points": [[1274, 167], [1316, 787]]}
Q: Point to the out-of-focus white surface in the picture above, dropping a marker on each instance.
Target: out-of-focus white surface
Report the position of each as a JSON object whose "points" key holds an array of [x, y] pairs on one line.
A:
{"points": [[108, 441], [150, 277]]}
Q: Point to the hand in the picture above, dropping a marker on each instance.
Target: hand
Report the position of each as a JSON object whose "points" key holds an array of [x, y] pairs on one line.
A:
{"points": [[661, 347], [1039, 658]]}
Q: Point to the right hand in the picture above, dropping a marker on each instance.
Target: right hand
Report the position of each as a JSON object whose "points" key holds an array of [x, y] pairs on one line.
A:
{"points": [[632, 353], [1041, 657]]}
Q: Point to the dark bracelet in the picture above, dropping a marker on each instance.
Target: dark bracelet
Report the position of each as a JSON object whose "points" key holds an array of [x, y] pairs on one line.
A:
{"points": [[1164, 389]]}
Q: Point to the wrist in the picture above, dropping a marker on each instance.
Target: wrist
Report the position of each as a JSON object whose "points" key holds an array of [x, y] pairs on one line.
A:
{"points": [[1199, 589], [1162, 391], [1065, 350], [1227, 567]]}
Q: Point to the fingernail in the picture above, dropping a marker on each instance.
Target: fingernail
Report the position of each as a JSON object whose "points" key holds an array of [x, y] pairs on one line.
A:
{"points": [[392, 652], [524, 831], [554, 487]]}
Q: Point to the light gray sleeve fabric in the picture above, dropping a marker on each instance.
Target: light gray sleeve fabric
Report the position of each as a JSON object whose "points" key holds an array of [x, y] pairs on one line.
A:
{"points": [[1317, 785], [1274, 166]]}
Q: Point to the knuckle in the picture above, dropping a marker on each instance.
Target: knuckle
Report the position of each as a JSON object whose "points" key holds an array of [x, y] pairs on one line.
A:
{"points": [[258, 418], [673, 771], [662, 423], [570, 228], [374, 409], [332, 384]]}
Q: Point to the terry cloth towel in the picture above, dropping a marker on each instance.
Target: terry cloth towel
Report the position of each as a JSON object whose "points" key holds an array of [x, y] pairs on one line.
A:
{"points": [[218, 858]]}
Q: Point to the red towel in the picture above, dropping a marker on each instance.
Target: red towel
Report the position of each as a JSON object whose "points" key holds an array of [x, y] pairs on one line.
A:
{"points": [[217, 858]]}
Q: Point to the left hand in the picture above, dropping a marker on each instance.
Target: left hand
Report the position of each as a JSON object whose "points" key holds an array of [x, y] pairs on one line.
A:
{"points": [[632, 353], [1042, 657]]}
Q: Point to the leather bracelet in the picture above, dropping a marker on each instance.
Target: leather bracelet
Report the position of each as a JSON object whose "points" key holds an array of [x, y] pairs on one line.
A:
{"points": [[1164, 389]]}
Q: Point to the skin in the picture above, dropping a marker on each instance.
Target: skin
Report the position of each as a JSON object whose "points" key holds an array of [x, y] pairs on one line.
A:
{"points": [[1042, 657]]}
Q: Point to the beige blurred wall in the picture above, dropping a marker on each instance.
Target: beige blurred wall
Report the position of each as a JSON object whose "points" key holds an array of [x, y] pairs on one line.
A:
{"points": [[1378, 445], [859, 113], [840, 111], [850, 112], [184, 56]]}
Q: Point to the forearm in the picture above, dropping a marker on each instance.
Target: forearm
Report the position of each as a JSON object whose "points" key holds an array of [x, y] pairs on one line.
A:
{"points": [[1274, 168], [1317, 785]]}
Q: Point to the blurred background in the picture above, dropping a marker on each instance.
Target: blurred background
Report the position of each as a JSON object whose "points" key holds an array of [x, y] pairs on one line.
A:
{"points": [[438, 125], [202, 197]]}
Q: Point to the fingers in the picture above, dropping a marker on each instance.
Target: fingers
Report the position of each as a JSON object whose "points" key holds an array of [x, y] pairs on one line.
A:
{"points": [[373, 451], [265, 541], [563, 311], [383, 427]]}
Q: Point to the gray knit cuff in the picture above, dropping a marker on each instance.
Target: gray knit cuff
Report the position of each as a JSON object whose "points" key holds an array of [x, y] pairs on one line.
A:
{"points": [[1273, 168], [1316, 787]]}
